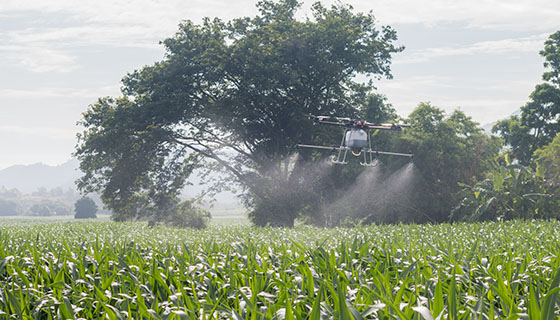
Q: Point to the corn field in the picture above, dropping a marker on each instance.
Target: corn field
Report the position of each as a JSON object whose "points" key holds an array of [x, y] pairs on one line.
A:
{"points": [[105, 270]]}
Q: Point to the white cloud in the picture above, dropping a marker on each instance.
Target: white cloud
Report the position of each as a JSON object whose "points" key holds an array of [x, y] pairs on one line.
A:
{"points": [[482, 110], [530, 44], [153, 16], [42, 132], [38, 58], [522, 15], [419, 82], [485, 100], [143, 23], [90, 34], [58, 92], [120, 23]]}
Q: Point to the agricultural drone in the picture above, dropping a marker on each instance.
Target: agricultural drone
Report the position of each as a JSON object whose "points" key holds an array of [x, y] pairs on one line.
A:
{"points": [[356, 139]]}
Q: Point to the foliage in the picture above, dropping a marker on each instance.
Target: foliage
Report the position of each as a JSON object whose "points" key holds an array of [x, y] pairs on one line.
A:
{"points": [[42, 202], [6, 193], [547, 160], [511, 192], [8, 208], [447, 150], [85, 208], [41, 210], [187, 215], [47, 208], [504, 270], [235, 94], [539, 121]]}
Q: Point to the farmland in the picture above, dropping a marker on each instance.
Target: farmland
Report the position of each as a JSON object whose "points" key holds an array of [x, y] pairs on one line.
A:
{"points": [[110, 270]]}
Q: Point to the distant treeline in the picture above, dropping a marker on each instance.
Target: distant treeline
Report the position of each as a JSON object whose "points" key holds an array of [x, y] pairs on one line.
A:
{"points": [[42, 202]]}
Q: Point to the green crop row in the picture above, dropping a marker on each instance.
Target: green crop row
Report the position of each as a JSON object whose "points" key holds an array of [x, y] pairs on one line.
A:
{"points": [[506, 270]]}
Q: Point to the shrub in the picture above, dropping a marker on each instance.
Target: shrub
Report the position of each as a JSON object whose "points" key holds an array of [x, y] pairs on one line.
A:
{"points": [[188, 215], [511, 192], [85, 208]]}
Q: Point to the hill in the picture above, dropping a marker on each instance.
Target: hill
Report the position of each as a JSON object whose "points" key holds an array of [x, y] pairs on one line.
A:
{"points": [[29, 178]]}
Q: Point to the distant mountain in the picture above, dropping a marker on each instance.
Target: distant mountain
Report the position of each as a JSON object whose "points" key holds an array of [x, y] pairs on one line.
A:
{"points": [[29, 178], [488, 127]]}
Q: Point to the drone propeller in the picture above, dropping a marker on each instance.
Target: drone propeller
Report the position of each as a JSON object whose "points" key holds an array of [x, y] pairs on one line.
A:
{"points": [[348, 122], [329, 118], [390, 124]]}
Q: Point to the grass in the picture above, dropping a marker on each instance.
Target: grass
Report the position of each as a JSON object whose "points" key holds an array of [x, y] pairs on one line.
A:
{"points": [[91, 270], [229, 216]]}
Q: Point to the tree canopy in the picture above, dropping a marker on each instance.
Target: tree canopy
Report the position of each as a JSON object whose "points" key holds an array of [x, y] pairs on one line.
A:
{"points": [[539, 121], [234, 95]]}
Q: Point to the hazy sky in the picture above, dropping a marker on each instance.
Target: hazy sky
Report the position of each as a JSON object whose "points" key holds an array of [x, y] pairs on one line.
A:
{"points": [[58, 56]]}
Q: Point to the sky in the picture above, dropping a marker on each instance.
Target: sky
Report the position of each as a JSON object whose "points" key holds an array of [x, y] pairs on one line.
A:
{"points": [[59, 56]]}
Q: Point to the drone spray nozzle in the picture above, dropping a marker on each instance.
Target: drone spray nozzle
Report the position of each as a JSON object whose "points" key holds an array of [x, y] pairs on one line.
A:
{"points": [[411, 159]]}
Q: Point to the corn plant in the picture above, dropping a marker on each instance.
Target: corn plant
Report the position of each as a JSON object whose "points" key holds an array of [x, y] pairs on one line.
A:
{"points": [[105, 270]]}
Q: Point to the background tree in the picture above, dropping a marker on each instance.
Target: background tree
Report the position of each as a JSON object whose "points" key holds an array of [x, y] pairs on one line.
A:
{"points": [[539, 121], [189, 215], [41, 209], [85, 208], [9, 208], [235, 95], [447, 150], [547, 161]]}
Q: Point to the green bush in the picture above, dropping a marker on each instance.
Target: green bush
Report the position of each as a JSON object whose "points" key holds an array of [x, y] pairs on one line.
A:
{"points": [[85, 208], [511, 192], [188, 215]]}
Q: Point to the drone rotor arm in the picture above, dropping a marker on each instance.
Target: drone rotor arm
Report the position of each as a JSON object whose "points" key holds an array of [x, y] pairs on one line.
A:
{"points": [[333, 148], [333, 123], [378, 127], [388, 126]]}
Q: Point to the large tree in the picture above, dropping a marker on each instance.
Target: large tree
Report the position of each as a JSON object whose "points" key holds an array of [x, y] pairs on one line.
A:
{"points": [[234, 95], [539, 121]]}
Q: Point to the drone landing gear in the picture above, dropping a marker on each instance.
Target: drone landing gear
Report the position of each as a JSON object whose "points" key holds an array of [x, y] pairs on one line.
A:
{"points": [[369, 159], [342, 152], [341, 157]]}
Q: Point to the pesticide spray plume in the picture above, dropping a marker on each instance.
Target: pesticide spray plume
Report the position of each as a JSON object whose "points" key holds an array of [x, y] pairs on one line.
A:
{"points": [[353, 199], [298, 184], [290, 177], [376, 196], [392, 199]]}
